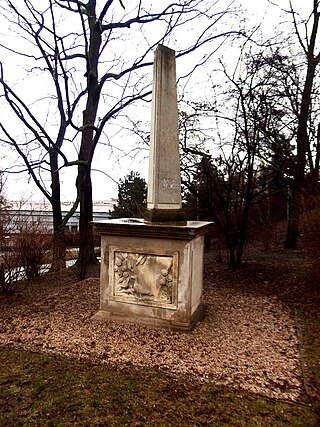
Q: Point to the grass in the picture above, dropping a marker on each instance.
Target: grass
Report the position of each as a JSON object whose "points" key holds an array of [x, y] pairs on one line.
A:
{"points": [[42, 390]]}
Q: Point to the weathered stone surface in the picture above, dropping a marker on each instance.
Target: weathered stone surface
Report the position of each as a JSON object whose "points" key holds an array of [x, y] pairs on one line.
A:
{"points": [[138, 227], [166, 215], [151, 279], [151, 270], [164, 182], [143, 278]]}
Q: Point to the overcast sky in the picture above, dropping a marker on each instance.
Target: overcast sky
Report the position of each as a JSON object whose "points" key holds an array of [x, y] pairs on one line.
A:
{"points": [[105, 164]]}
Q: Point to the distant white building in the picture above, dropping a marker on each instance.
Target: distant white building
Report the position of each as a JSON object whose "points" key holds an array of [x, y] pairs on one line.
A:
{"points": [[41, 212]]}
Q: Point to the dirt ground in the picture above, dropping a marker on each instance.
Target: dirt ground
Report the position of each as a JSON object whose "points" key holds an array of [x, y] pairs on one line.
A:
{"points": [[251, 337]]}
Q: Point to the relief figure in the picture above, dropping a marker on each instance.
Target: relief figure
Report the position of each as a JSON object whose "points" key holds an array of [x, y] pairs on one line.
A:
{"points": [[143, 277]]}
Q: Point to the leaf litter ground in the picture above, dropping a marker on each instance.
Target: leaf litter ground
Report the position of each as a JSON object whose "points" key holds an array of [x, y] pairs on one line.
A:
{"points": [[249, 338]]}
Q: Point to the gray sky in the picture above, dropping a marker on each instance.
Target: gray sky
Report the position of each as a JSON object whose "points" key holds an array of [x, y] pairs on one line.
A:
{"points": [[112, 162]]}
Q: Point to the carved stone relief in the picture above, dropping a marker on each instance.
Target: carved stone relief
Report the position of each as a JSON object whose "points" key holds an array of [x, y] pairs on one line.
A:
{"points": [[144, 278]]}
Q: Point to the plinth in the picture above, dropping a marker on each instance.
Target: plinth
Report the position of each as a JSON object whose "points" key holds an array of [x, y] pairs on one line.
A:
{"points": [[151, 273]]}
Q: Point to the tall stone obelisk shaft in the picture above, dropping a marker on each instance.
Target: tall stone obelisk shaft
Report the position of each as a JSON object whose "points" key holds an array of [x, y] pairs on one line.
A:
{"points": [[164, 182]]}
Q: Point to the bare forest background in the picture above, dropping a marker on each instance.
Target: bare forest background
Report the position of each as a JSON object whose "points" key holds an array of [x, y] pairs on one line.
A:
{"points": [[75, 79]]}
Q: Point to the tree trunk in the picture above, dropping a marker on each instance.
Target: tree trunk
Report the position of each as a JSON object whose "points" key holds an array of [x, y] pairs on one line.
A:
{"points": [[86, 244], [303, 143], [59, 244], [59, 251], [295, 208], [232, 258]]}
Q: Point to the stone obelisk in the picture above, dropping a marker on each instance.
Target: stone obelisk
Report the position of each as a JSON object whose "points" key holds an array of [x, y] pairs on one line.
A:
{"points": [[164, 182], [151, 269]]}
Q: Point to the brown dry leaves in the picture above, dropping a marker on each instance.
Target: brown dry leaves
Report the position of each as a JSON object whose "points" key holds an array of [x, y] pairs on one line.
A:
{"points": [[247, 341]]}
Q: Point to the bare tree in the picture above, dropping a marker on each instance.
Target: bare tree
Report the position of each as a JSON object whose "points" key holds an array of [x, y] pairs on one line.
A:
{"points": [[83, 48], [289, 111], [245, 110], [307, 42], [277, 95]]}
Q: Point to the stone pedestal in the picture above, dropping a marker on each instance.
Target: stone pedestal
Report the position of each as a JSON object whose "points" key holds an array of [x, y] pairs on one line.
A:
{"points": [[151, 274], [151, 269]]}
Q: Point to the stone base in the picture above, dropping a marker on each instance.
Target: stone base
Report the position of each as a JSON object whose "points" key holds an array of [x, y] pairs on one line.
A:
{"points": [[198, 315], [166, 215], [151, 274]]}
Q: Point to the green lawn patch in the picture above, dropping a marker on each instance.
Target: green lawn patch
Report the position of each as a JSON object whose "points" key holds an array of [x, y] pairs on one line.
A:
{"points": [[42, 390]]}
